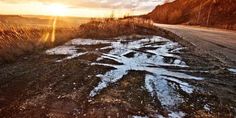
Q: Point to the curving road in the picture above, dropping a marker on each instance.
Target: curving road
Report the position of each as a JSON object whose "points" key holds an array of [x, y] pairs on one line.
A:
{"points": [[218, 42]]}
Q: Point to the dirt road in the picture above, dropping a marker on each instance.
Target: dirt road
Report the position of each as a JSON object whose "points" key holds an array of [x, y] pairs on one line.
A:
{"points": [[220, 43]]}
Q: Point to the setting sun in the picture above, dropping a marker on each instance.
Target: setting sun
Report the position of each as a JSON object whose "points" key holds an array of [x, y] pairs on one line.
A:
{"points": [[57, 9]]}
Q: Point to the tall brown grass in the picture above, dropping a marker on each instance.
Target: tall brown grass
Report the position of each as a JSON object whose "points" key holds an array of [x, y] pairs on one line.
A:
{"points": [[17, 40], [112, 27]]}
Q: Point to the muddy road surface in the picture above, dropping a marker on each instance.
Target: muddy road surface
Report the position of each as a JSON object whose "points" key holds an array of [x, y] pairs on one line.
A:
{"points": [[128, 76]]}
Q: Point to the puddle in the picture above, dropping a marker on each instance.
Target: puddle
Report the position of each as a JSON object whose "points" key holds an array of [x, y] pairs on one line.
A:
{"points": [[156, 57]]}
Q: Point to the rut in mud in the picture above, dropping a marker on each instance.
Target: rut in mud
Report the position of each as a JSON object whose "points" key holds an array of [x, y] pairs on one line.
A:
{"points": [[145, 76]]}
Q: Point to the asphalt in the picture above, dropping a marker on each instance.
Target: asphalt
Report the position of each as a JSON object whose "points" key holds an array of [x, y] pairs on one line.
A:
{"points": [[219, 43]]}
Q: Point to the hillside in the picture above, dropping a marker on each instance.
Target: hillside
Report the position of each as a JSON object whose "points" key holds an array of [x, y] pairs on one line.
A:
{"points": [[212, 13]]}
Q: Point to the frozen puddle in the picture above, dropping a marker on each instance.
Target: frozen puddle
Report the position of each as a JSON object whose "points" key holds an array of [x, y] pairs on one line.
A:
{"points": [[156, 57]]}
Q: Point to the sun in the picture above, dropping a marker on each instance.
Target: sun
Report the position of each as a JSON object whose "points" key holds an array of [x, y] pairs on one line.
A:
{"points": [[57, 9]]}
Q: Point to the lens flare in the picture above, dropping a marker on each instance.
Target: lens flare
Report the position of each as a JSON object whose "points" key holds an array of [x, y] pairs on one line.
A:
{"points": [[50, 35]]}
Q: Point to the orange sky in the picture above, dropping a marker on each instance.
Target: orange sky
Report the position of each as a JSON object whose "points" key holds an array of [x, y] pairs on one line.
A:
{"points": [[81, 8]]}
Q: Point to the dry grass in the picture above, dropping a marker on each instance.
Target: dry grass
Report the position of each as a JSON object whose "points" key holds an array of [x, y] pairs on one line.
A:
{"points": [[108, 28], [17, 40]]}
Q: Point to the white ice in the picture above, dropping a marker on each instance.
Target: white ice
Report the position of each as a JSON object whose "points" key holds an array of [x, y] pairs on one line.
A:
{"points": [[232, 70], [160, 82], [139, 117], [70, 48], [143, 61], [62, 50], [176, 115], [79, 41], [148, 55]]}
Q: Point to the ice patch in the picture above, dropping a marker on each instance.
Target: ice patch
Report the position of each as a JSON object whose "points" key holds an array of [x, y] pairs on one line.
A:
{"points": [[62, 50], [70, 49], [156, 56], [158, 87], [71, 57], [232, 70], [139, 117], [176, 115], [86, 42], [110, 77], [143, 61], [161, 82], [207, 107]]}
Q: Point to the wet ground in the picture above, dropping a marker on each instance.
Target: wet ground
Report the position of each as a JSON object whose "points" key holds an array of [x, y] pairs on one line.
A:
{"points": [[140, 76]]}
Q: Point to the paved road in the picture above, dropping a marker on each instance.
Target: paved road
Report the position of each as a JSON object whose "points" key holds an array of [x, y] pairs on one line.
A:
{"points": [[220, 43]]}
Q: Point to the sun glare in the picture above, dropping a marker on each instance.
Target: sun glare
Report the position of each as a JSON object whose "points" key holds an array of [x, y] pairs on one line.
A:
{"points": [[57, 9]]}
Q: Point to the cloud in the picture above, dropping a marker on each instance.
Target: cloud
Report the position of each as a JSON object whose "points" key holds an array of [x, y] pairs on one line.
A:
{"points": [[136, 5]]}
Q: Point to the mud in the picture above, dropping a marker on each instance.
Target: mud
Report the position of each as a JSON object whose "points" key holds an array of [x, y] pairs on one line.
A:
{"points": [[142, 76]]}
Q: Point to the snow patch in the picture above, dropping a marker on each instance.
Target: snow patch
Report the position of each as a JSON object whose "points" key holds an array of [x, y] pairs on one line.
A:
{"points": [[70, 49], [233, 70], [207, 107], [139, 117], [176, 115], [154, 55], [79, 42], [161, 82], [62, 50]]}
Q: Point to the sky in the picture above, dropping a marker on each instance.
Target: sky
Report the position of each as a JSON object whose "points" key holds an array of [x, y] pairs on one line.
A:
{"points": [[81, 8]]}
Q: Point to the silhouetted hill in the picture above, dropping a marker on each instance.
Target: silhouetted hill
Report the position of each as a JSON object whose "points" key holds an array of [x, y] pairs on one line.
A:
{"points": [[213, 13]]}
